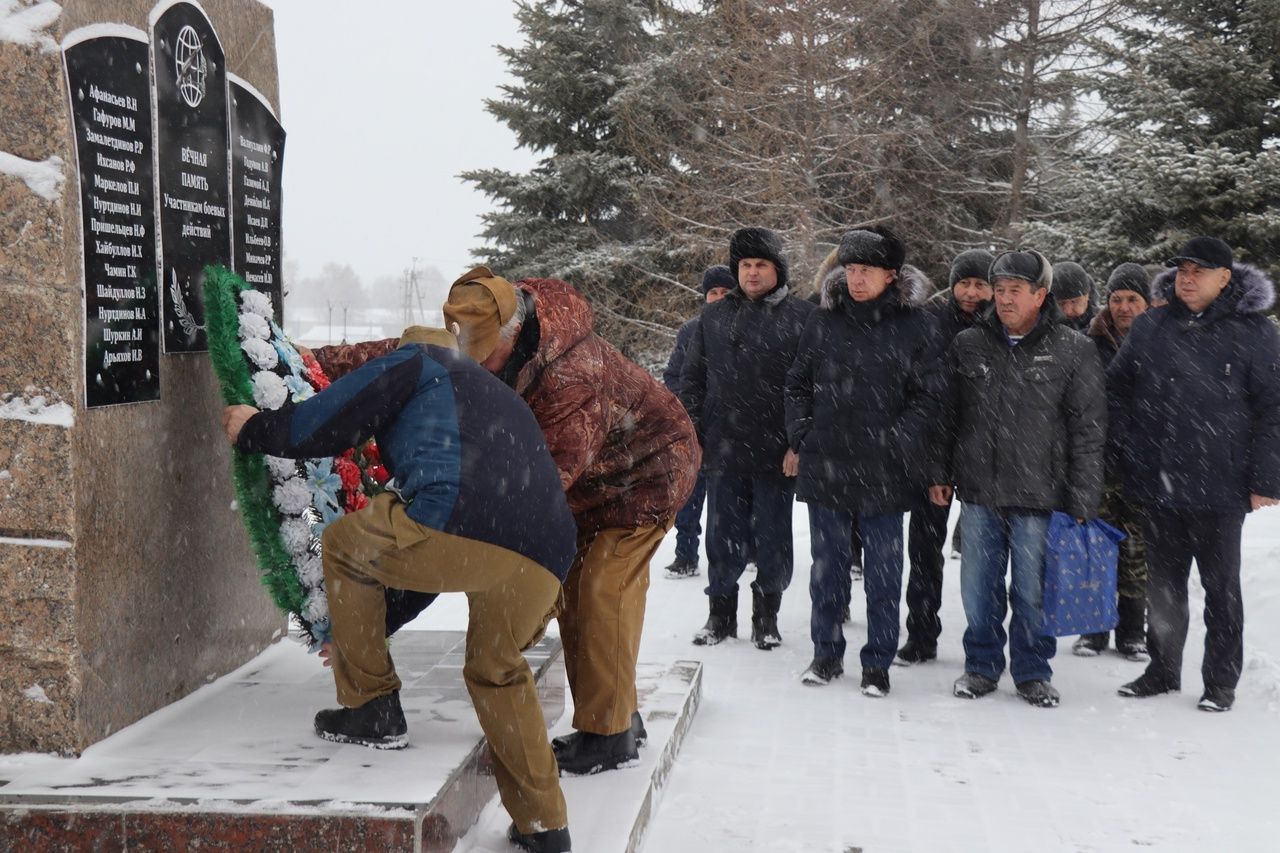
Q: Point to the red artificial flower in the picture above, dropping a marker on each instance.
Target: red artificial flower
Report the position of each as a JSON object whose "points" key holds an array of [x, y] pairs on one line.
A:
{"points": [[356, 501], [349, 453], [349, 472], [371, 453], [379, 474], [315, 373]]}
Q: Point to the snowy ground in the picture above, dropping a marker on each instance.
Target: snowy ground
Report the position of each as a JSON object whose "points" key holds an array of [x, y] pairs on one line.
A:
{"points": [[773, 765]]}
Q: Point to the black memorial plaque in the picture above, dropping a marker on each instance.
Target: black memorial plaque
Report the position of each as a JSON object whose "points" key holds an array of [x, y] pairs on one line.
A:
{"points": [[191, 165], [109, 84], [257, 161]]}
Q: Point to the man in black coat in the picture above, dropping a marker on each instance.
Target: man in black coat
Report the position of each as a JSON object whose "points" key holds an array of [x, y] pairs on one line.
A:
{"points": [[956, 310], [859, 403], [733, 382], [717, 281], [1021, 435], [1073, 293], [1128, 297], [1195, 403]]}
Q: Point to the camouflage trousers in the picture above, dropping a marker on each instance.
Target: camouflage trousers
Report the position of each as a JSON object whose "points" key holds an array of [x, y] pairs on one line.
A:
{"points": [[1131, 580]]}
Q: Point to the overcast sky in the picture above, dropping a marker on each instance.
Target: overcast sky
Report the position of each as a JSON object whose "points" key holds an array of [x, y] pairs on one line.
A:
{"points": [[382, 102]]}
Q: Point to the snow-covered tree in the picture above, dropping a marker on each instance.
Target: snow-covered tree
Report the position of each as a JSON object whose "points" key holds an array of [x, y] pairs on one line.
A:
{"points": [[575, 215], [1192, 143]]}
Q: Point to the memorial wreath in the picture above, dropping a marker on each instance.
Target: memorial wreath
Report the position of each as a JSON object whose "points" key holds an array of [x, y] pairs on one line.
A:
{"points": [[285, 503]]}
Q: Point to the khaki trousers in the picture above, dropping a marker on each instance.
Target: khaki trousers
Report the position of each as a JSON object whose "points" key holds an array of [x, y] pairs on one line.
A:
{"points": [[600, 626], [511, 601]]}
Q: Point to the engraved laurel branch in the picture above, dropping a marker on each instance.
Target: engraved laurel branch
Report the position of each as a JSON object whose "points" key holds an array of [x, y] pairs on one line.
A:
{"points": [[185, 320]]}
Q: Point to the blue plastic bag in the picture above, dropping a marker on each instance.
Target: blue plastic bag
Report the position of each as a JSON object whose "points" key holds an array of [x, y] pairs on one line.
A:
{"points": [[1080, 576]]}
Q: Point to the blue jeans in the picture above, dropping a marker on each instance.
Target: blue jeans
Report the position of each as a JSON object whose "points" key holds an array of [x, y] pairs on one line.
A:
{"points": [[990, 537], [743, 511], [689, 522], [829, 582]]}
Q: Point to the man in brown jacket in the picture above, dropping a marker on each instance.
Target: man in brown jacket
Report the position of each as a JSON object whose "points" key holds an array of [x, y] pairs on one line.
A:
{"points": [[628, 458]]}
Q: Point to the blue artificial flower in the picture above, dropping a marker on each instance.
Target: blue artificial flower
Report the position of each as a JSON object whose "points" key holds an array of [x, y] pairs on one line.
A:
{"points": [[328, 515], [288, 354], [299, 388], [321, 633], [324, 483]]}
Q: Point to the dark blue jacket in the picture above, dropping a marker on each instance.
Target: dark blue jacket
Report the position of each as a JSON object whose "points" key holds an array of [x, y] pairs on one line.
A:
{"points": [[734, 378], [1195, 401], [861, 396], [675, 363], [466, 453]]}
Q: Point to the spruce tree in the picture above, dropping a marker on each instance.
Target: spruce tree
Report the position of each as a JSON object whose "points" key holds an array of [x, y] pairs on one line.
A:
{"points": [[1192, 143], [575, 215]]}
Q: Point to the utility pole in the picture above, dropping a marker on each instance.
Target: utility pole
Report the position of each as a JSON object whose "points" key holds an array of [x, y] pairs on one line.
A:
{"points": [[413, 302]]}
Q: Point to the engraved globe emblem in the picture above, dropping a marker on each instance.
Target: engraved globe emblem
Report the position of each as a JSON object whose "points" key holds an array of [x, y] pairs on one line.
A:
{"points": [[188, 57]]}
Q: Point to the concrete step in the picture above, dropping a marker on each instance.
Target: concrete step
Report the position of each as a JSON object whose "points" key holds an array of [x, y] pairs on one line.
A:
{"points": [[610, 812], [236, 765]]}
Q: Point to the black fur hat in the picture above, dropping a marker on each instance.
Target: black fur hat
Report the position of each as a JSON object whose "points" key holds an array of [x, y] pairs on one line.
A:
{"points": [[758, 243], [874, 247]]}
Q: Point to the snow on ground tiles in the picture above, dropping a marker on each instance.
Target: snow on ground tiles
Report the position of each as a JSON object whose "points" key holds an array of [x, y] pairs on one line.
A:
{"points": [[773, 765]]}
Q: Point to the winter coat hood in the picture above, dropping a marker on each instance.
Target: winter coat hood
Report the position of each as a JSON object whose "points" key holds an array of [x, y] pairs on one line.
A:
{"points": [[563, 314], [912, 285], [1251, 291]]}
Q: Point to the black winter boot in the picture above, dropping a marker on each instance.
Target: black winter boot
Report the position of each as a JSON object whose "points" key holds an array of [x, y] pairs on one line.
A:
{"points": [[638, 731], [764, 619], [584, 753], [723, 622], [875, 682], [1090, 645], [378, 723], [1147, 685], [1131, 633], [822, 671], [680, 569], [915, 651], [547, 841]]}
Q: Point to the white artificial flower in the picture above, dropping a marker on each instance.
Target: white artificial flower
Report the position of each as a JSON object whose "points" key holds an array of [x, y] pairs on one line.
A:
{"points": [[280, 468], [256, 302], [252, 326], [261, 353], [269, 390], [310, 570], [296, 535], [317, 606], [292, 497]]}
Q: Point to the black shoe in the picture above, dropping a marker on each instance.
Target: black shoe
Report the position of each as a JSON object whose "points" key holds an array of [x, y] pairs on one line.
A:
{"points": [[847, 616], [1217, 699], [1147, 685], [547, 841], [971, 685], [722, 623], [1134, 650], [764, 620], [378, 723], [915, 652], [584, 753], [822, 672], [875, 682], [1039, 693], [682, 569], [638, 730], [1090, 645]]}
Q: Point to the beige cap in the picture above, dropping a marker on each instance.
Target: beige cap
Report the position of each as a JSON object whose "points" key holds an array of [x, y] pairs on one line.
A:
{"points": [[479, 305]]}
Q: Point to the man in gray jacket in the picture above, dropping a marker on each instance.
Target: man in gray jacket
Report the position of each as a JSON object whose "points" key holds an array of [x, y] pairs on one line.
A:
{"points": [[1021, 435]]}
